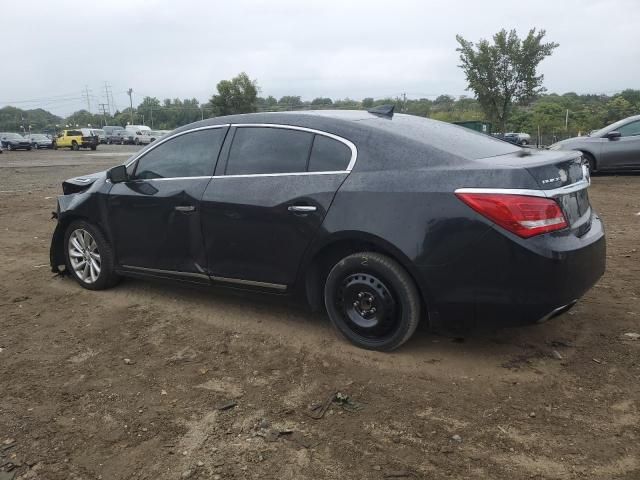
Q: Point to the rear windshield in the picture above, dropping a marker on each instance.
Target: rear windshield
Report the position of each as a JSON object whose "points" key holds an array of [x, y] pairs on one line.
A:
{"points": [[459, 141]]}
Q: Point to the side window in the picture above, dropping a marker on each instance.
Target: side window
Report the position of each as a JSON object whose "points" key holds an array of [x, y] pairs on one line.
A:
{"points": [[630, 129], [258, 150], [189, 155], [328, 155]]}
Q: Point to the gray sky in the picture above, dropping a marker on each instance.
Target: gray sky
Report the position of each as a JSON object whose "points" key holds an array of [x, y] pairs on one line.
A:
{"points": [[309, 48]]}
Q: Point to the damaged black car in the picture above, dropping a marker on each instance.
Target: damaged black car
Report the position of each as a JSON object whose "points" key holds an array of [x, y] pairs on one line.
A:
{"points": [[382, 220]]}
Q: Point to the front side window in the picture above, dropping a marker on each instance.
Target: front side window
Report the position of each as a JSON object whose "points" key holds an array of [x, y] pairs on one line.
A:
{"points": [[190, 155], [260, 150], [630, 129], [328, 155]]}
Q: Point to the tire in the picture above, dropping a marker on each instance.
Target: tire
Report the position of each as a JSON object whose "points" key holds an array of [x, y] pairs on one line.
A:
{"points": [[94, 147], [28, 149], [98, 274], [55, 146], [74, 146], [524, 143], [136, 142], [590, 161], [372, 301], [9, 147]]}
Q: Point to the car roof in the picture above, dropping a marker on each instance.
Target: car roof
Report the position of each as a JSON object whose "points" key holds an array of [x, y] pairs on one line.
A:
{"points": [[384, 133]]}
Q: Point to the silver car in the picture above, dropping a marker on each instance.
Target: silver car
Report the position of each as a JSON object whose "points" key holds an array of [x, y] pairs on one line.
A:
{"points": [[615, 147]]}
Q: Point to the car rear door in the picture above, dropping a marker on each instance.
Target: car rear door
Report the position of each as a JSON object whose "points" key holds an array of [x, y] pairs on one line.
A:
{"points": [[272, 189], [154, 218], [623, 152]]}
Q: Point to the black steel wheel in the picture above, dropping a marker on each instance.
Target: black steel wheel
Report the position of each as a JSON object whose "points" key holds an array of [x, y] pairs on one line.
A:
{"points": [[372, 301]]}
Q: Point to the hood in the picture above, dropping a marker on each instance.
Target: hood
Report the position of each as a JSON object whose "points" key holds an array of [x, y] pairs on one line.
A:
{"points": [[82, 183]]}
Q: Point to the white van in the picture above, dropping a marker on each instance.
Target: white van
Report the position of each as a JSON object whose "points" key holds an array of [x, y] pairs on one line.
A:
{"points": [[141, 128], [141, 134]]}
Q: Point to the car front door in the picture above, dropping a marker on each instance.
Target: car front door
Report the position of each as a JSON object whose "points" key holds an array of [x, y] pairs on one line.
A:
{"points": [[154, 217], [623, 152], [272, 189]]}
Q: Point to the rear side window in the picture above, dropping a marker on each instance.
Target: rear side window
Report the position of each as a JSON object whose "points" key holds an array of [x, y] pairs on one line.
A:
{"points": [[190, 155], [259, 150], [74, 133], [328, 155]]}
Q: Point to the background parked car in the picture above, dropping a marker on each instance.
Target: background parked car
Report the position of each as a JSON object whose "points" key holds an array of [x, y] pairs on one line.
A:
{"points": [[102, 136], [156, 134], [615, 147], [110, 130], [14, 141], [517, 138], [40, 140], [76, 139]]}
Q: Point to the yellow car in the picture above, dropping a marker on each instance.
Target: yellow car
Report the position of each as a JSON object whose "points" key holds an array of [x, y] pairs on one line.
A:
{"points": [[75, 140]]}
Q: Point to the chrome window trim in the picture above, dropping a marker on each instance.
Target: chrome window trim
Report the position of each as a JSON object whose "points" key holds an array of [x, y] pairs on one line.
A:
{"points": [[556, 192], [348, 143], [285, 174], [162, 140]]}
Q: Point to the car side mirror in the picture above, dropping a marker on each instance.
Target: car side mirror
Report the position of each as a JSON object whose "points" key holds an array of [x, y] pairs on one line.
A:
{"points": [[613, 135], [118, 174]]}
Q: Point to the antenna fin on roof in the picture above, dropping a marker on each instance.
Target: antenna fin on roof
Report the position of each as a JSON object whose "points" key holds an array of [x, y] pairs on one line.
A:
{"points": [[383, 110]]}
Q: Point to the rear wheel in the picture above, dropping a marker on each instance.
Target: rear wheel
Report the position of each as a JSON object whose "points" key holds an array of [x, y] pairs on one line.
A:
{"points": [[89, 257], [9, 148], [372, 301], [75, 146]]}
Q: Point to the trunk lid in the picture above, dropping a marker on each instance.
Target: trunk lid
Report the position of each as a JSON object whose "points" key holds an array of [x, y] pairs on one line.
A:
{"points": [[558, 174]]}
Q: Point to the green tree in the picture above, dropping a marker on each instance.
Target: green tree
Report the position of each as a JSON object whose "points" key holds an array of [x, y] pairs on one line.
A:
{"points": [[322, 101], [237, 95], [367, 102], [504, 73], [290, 102]]}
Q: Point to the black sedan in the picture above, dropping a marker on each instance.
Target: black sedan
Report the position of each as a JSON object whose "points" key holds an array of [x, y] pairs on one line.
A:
{"points": [[383, 220], [14, 141]]}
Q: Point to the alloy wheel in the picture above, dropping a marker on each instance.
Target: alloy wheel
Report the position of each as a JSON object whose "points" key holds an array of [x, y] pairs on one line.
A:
{"points": [[84, 256]]}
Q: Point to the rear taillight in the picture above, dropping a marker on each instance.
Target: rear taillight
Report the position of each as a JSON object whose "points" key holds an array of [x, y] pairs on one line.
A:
{"points": [[523, 215]]}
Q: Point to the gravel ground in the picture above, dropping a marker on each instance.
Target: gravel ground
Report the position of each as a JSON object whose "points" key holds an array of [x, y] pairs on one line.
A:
{"points": [[156, 381]]}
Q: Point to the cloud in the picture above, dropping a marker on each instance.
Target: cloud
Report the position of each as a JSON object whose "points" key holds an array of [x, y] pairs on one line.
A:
{"points": [[316, 48]]}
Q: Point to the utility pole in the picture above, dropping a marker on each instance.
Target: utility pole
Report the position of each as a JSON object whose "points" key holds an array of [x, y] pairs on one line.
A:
{"points": [[106, 96], [404, 102], [130, 92], [86, 95], [151, 112], [103, 109], [566, 121]]}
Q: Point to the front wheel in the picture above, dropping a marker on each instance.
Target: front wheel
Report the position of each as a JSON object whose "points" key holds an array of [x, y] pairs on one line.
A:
{"points": [[372, 301], [89, 257], [590, 162]]}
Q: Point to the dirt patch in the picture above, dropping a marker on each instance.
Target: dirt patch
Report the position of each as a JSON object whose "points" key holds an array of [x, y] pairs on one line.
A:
{"points": [[500, 405]]}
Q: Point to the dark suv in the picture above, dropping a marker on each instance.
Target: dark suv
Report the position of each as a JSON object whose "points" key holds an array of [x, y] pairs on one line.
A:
{"points": [[381, 219]]}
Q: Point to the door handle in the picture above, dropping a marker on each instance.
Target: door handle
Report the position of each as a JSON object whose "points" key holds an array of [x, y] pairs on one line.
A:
{"points": [[185, 208], [302, 208]]}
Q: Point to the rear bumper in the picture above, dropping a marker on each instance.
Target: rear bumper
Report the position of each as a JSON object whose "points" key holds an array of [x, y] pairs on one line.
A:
{"points": [[505, 281]]}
